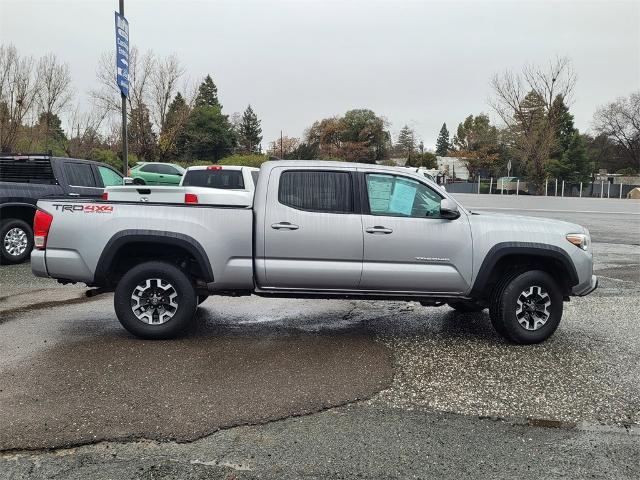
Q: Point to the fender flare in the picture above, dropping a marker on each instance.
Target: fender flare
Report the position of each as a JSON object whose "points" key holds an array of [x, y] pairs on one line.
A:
{"points": [[125, 237], [503, 249]]}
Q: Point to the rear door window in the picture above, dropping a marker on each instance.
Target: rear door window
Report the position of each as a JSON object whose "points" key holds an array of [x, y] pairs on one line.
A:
{"points": [[80, 174], [317, 191], [225, 179]]}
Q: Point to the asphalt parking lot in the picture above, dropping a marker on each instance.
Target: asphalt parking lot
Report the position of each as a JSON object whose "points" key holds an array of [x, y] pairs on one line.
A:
{"points": [[266, 388]]}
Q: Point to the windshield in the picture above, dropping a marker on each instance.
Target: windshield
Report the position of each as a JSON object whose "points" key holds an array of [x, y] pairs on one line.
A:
{"points": [[226, 179]]}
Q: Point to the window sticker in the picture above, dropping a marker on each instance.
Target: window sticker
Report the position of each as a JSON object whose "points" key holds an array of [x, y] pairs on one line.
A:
{"points": [[402, 198], [379, 187]]}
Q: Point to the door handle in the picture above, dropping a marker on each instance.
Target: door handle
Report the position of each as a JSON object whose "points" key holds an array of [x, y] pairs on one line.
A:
{"points": [[379, 229], [284, 226]]}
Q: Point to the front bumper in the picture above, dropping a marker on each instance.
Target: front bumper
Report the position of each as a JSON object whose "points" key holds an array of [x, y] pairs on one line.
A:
{"points": [[587, 287]]}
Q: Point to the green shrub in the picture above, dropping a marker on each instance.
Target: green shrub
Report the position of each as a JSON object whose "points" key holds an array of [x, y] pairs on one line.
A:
{"points": [[244, 160]]}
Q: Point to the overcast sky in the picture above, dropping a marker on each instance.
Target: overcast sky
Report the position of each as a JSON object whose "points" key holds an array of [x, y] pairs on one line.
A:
{"points": [[421, 63]]}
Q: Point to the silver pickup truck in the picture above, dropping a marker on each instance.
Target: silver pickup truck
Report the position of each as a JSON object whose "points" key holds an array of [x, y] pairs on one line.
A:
{"points": [[317, 229]]}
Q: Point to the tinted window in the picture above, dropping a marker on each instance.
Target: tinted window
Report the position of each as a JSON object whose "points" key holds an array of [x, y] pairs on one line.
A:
{"points": [[80, 174], [149, 168], [401, 197], [167, 170], [227, 179], [318, 191], [110, 177]]}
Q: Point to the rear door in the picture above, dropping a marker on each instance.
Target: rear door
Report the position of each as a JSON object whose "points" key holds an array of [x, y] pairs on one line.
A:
{"points": [[168, 175], [81, 179], [407, 246], [313, 230]]}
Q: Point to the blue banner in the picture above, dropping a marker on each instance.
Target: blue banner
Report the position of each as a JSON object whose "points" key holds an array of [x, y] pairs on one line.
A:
{"points": [[122, 54]]}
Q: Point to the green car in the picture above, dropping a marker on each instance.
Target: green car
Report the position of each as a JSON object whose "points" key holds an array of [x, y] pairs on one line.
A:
{"points": [[156, 173]]}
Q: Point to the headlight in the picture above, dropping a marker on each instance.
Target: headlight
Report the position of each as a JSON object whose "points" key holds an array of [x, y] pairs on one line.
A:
{"points": [[581, 240]]}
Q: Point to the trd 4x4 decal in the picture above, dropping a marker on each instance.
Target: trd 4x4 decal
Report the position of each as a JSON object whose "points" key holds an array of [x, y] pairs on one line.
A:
{"points": [[84, 208]]}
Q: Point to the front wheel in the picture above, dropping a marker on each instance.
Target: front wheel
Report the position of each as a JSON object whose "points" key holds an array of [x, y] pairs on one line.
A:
{"points": [[16, 240], [526, 308], [155, 300]]}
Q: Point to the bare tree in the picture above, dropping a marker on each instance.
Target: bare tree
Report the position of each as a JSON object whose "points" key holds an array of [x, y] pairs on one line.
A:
{"points": [[55, 92], [19, 88], [523, 101], [620, 121], [56, 89], [83, 132], [164, 85], [107, 94]]}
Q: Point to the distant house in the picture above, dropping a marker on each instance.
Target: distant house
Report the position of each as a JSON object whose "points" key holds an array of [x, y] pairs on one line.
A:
{"points": [[451, 166]]}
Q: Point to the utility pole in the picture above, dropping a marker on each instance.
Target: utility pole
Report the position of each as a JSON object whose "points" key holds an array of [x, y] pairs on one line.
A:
{"points": [[125, 141]]}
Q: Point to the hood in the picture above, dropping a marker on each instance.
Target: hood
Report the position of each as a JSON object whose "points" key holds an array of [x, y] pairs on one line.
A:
{"points": [[503, 221]]}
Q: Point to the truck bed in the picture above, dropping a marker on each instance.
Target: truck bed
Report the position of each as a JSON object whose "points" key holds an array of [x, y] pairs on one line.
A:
{"points": [[221, 235]]}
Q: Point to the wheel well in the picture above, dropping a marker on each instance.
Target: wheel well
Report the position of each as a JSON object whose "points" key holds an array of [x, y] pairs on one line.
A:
{"points": [[130, 254], [24, 213], [513, 262]]}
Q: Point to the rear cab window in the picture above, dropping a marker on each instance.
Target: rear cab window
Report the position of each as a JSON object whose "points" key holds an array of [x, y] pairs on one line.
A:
{"points": [[317, 191], [224, 179]]}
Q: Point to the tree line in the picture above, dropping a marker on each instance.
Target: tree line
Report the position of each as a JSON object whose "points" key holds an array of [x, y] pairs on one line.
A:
{"points": [[172, 120]]}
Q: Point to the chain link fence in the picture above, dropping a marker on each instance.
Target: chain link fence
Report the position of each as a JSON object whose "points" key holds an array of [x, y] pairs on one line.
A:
{"points": [[551, 188]]}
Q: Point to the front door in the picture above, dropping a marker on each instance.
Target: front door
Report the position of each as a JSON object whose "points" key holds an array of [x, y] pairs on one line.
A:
{"points": [[407, 246], [313, 232]]}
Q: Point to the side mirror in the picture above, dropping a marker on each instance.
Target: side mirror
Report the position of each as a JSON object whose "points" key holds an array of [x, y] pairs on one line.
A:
{"points": [[449, 209], [127, 181]]}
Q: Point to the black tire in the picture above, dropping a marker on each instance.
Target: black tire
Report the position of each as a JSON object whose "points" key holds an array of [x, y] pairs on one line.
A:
{"points": [[463, 306], [139, 181], [9, 228], [185, 299], [202, 298], [505, 306]]}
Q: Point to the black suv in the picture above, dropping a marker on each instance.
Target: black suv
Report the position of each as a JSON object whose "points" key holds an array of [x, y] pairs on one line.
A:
{"points": [[24, 179]]}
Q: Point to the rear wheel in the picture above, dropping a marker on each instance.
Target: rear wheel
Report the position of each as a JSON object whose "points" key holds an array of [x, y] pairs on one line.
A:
{"points": [[16, 240], [139, 181], [526, 307], [155, 300]]}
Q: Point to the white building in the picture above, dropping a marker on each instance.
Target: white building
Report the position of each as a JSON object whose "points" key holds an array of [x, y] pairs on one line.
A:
{"points": [[451, 165]]}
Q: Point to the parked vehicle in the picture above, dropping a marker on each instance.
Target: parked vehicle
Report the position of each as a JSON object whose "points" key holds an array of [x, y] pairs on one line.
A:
{"points": [[430, 174], [24, 179], [156, 173], [227, 177], [317, 229]]}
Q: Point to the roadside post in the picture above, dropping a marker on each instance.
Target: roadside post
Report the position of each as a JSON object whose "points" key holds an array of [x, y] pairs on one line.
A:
{"points": [[620, 191], [479, 184], [517, 187], [546, 186], [490, 184], [580, 189], [556, 193], [562, 194], [601, 188], [502, 186], [122, 76], [608, 189]]}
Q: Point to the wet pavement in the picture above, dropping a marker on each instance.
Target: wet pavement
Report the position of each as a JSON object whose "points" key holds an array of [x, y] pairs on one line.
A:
{"points": [[424, 380]]}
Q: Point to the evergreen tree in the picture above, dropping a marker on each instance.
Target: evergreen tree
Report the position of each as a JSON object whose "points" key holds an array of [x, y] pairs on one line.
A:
{"points": [[208, 134], [207, 94], [569, 159], [171, 142], [406, 142], [442, 144], [142, 139], [249, 132], [50, 126]]}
